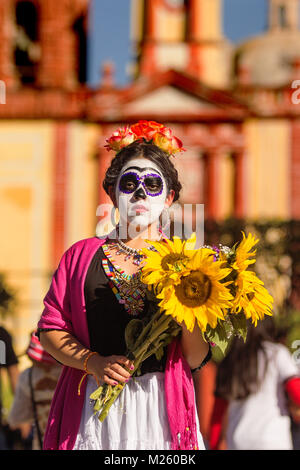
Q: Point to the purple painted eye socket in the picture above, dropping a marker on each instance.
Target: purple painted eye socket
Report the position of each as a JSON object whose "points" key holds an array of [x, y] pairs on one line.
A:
{"points": [[151, 182]]}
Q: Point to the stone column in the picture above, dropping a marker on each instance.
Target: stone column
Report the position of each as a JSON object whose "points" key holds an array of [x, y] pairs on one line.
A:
{"points": [[7, 62], [57, 67], [239, 184], [211, 173], [148, 46], [194, 38]]}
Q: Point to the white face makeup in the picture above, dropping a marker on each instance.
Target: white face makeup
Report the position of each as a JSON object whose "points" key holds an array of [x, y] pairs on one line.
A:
{"points": [[141, 191]]}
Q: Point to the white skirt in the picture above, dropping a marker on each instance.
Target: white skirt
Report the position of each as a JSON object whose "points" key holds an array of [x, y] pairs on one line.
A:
{"points": [[137, 420]]}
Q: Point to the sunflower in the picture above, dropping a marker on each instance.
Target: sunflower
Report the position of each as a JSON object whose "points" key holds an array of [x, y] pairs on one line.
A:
{"points": [[198, 295], [250, 294], [243, 254], [252, 297], [165, 265]]}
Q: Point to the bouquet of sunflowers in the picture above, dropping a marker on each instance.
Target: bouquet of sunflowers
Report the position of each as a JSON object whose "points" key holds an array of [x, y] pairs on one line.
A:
{"points": [[210, 287]]}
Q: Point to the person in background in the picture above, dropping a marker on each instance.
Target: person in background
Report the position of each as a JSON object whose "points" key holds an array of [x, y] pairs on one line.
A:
{"points": [[34, 392], [9, 361], [255, 385]]}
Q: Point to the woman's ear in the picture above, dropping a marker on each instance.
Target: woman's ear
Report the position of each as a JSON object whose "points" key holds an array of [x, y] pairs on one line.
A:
{"points": [[170, 198]]}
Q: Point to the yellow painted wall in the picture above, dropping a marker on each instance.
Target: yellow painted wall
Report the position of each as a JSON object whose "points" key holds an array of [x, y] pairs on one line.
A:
{"points": [[26, 190], [170, 25], [215, 62], [25, 200], [83, 181], [267, 170], [210, 20]]}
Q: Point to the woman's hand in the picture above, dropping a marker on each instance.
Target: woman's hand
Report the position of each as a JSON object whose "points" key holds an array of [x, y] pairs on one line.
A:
{"points": [[110, 369], [65, 348]]}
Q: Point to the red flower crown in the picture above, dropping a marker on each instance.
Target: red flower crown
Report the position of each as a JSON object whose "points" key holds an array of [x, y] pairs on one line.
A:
{"points": [[151, 131]]}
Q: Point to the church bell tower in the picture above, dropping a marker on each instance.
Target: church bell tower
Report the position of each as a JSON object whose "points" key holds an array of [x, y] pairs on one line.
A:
{"points": [[185, 35], [43, 43], [284, 14]]}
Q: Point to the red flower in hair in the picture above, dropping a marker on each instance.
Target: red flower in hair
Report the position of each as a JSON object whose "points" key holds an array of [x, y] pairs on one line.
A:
{"points": [[150, 131], [146, 129], [120, 138]]}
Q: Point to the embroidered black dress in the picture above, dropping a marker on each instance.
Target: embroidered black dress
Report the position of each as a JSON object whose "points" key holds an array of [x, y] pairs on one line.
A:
{"points": [[107, 318]]}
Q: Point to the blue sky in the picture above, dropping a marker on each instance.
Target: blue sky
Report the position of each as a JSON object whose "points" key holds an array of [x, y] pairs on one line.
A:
{"points": [[110, 26]]}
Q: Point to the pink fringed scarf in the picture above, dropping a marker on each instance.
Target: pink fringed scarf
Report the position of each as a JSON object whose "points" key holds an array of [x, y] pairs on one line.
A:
{"points": [[180, 399]]}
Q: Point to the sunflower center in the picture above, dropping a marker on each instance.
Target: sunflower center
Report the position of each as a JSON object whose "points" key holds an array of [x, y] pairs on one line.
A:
{"points": [[174, 259], [194, 289]]}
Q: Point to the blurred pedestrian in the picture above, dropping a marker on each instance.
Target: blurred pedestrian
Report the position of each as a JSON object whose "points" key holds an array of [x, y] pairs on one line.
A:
{"points": [[9, 361], [256, 383], [34, 392], [294, 409]]}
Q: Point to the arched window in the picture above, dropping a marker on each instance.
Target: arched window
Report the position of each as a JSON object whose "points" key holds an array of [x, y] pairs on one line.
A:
{"points": [[187, 20], [282, 17], [27, 49], [79, 28]]}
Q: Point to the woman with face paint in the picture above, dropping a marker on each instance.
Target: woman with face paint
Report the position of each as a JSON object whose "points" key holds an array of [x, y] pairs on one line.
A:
{"points": [[95, 292]]}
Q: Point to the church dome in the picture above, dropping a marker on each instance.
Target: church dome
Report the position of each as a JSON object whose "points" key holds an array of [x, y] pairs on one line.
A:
{"points": [[268, 60]]}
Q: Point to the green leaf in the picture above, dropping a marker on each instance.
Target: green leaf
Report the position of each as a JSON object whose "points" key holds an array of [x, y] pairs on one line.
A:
{"points": [[97, 405], [97, 393], [219, 336], [222, 335]]}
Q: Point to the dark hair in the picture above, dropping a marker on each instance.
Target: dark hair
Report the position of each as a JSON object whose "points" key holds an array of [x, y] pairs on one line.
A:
{"points": [[238, 375], [147, 150]]}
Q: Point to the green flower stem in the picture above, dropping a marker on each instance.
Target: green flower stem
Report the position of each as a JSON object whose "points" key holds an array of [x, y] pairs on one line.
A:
{"points": [[114, 395], [159, 324], [148, 327], [158, 328]]}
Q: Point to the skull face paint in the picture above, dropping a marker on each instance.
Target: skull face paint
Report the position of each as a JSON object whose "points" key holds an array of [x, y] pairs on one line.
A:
{"points": [[141, 191]]}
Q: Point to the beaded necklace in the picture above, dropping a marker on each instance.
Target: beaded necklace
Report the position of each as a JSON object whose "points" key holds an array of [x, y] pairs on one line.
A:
{"points": [[128, 288]]}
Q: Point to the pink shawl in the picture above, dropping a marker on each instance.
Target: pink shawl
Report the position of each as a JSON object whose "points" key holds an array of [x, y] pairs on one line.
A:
{"points": [[180, 399], [65, 310]]}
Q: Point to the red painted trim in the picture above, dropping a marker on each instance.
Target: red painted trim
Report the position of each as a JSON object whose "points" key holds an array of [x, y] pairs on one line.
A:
{"points": [[194, 19], [239, 184], [194, 66], [185, 82], [59, 191], [295, 170], [211, 171], [150, 12], [148, 62], [201, 117], [7, 69]]}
